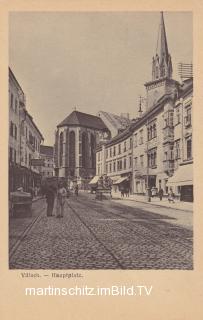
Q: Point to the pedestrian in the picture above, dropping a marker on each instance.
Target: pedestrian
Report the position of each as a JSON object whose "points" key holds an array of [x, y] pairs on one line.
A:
{"points": [[50, 192], [153, 192], [76, 190], [127, 191], [61, 199], [171, 196], [161, 192]]}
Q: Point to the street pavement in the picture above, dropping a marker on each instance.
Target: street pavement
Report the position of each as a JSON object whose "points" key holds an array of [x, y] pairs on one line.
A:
{"points": [[105, 235]]}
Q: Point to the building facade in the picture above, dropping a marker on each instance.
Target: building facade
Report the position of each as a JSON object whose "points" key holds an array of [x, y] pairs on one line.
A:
{"points": [[47, 155], [160, 140], [24, 140]]}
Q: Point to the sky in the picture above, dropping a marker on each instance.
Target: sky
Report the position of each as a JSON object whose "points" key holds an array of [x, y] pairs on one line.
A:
{"points": [[89, 61]]}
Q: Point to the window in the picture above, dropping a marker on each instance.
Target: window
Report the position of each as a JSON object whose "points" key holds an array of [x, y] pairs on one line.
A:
{"points": [[114, 166], [178, 115], [141, 136], [188, 117], [119, 165], [11, 101], [130, 162], [11, 129], [71, 150], [124, 149], [141, 160], [119, 149], [29, 159], [124, 163], [131, 143], [106, 168], [110, 152], [157, 72], [168, 119], [152, 155], [85, 149], [110, 167], [10, 154], [189, 149], [14, 156], [61, 150], [98, 156], [16, 105], [151, 131], [114, 151], [135, 162], [135, 140], [177, 149], [106, 153], [15, 132]]}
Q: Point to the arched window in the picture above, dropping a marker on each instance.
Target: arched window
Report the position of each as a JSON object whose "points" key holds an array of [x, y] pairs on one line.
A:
{"points": [[157, 72], [67, 148], [84, 149], [61, 149], [72, 149], [93, 153]]}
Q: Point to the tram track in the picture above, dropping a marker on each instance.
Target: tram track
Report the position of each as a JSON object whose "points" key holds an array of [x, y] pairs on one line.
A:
{"points": [[142, 232], [120, 265], [15, 246]]}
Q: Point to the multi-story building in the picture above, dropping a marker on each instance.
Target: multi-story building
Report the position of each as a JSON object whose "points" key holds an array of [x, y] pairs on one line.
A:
{"points": [[47, 154], [182, 180], [24, 140], [156, 136], [114, 158]]}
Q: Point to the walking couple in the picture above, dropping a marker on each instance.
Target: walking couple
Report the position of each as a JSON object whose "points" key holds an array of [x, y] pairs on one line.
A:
{"points": [[61, 195]]}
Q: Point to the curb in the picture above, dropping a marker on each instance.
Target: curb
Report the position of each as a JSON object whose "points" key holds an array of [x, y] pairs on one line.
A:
{"points": [[158, 205]]}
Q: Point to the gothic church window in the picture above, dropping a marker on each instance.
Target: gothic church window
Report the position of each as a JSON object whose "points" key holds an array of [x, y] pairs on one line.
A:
{"points": [[72, 149]]}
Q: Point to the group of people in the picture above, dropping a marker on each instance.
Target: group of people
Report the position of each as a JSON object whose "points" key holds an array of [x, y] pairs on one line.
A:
{"points": [[60, 193], [153, 193], [125, 192]]}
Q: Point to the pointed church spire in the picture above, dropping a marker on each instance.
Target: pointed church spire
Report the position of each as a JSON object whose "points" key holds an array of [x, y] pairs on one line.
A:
{"points": [[163, 47], [161, 63]]}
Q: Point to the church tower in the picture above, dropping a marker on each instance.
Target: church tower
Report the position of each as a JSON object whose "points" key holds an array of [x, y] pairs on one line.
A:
{"points": [[162, 82]]}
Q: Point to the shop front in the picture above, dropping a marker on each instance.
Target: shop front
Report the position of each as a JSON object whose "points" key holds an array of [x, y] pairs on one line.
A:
{"points": [[182, 182]]}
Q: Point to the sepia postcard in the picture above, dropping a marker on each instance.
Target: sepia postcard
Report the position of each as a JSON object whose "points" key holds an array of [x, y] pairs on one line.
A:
{"points": [[101, 160]]}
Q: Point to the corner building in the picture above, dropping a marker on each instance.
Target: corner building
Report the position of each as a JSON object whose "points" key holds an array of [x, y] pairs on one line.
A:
{"points": [[158, 147]]}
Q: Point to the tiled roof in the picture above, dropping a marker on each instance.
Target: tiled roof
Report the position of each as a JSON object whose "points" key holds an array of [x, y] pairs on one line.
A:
{"points": [[186, 86], [84, 120], [47, 150], [118, 122]]}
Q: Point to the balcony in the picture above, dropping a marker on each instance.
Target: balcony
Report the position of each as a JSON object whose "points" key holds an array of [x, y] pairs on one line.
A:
{"points": [[168, 134], [168, 166], [187, 120]]}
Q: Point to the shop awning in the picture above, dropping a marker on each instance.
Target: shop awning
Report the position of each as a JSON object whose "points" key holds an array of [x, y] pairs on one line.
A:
{"points": [[114, 178], [183, 176], [94, 180], [120, 180]]}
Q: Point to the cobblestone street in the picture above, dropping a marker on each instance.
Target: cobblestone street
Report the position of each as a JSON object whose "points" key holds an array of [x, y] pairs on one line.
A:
{"points": [[103, 235]]}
